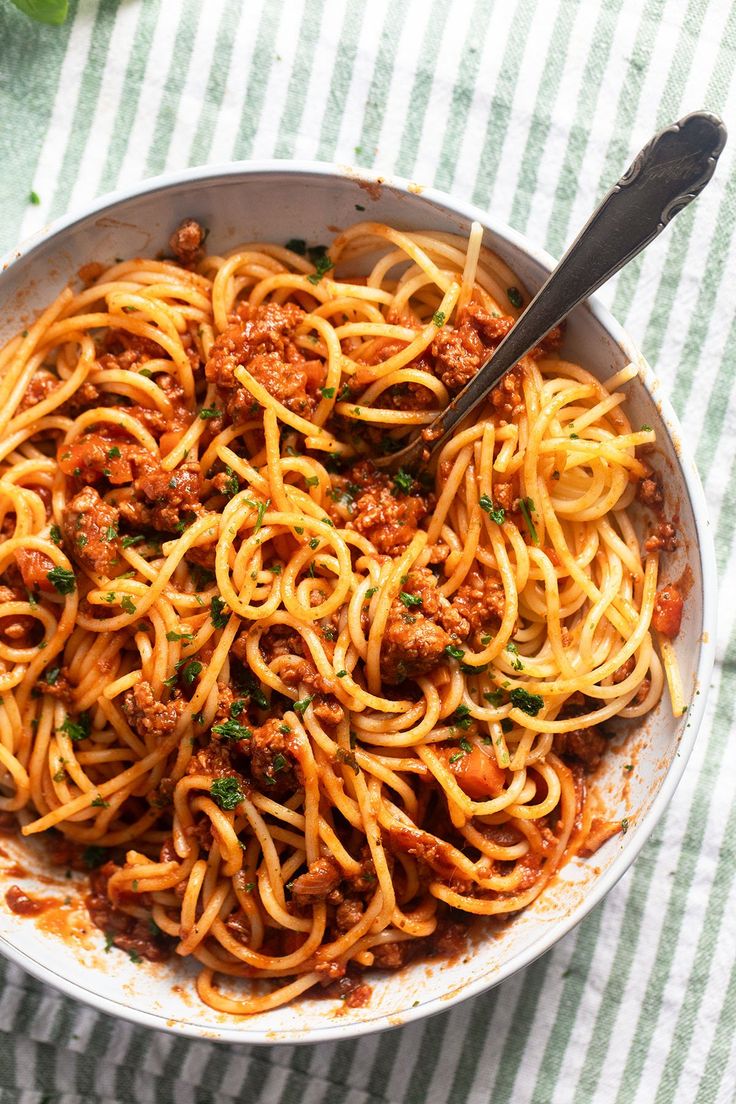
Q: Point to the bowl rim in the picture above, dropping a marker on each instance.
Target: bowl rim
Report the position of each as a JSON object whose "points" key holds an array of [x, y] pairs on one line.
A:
{"points": [[644, 827]]}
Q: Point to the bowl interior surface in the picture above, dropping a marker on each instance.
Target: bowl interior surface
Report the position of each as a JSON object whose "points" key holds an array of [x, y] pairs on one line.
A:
{"points": [[275, 203]]}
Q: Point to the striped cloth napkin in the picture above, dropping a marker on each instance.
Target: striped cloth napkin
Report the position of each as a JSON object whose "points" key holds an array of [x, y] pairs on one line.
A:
{"points": [[530, 110]]}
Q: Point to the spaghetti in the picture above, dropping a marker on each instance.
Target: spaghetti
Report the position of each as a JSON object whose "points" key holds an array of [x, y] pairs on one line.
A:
{"points": [[303, 715]]}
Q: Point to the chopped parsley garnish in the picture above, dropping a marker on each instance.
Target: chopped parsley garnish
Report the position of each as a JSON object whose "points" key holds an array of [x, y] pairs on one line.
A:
{"points": [[111, 533], [527, 508], [439, 318], [191, 670], [624, 826], [646, 428], [461, 718], [312, 481], [506, 726], [285, 730], [62, 578], [453, 652], [341, 674], [403, 481], [113, 453], [516, 661], [231, 729], [497, 513], [314, 543], [527, 703], [128, 542], [409, 600], [81, 540], [328, 392], [232, 483], [279, 762], [109, 941], [515, 298], [127, 604], [55, 534], [629, 767], [302, 705], [322, 264], [34, 198], [100, 803], [468, 669], [494, 697], [79, 729], [227, 792], [172, 635], [297, 245], [371, 591], [208, 412], [260, 509], [52, 675], [237, 707], [219, 612]]}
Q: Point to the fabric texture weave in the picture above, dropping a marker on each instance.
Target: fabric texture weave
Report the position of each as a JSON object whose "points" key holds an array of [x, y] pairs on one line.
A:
{"points": [[530, 109]]}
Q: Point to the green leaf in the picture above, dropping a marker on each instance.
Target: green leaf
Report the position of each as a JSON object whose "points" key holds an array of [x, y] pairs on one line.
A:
{"points": [[497, 513], [227, 792], [44, 11], [63, 579], [527, 703]]}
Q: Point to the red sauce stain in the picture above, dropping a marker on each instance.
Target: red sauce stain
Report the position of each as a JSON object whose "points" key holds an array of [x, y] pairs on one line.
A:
{"points": [[372, 187], [686, 581], [22, 904]]}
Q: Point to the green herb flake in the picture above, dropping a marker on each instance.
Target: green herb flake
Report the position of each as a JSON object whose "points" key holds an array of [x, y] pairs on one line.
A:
{"points": [[516, 661], [439, 318], [302, 705], [232, 483], [454, 652], [322, 265], [624, 826], [527, 703], [33, 197], [297, 245], [209, 412], [227, 792], [55, 534], [328, 392], [526, 505], [403, 481], [100, 803], [461, 718], [128, 542], [62, 579], [127, 604], [191, 671], [514, 296], [409, 600], [113, 453], [79, 729], [496, 513], [172, 635], [495, 697], [231, 729], [219, 612]]}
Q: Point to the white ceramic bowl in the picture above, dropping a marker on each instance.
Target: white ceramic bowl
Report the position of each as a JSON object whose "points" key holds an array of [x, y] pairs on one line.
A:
{"points": [[274, 201]]}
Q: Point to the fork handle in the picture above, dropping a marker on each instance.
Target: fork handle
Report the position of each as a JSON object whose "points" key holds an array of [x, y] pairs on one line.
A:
{"points": [[663, 178]]}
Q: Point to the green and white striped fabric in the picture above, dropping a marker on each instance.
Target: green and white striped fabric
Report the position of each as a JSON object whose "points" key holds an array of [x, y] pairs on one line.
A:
{"points": [[530, 109]]}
